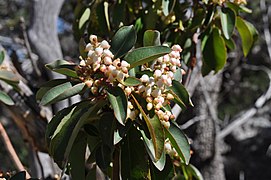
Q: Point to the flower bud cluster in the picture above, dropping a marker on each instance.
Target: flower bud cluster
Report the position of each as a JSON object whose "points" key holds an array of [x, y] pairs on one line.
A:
{"points": [[170, 150], [99, 67], [154, 88]]}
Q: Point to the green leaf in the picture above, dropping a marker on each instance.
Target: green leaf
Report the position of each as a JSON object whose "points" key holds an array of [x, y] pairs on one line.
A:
{"points": [[67, 129], [156, 131], [49, 85], [6, 99], [131, 81], [151, 38], [106, 128], [121, 131], [179, 142], [198, 19], [181, 96], [61, 92], [2, 56], [205, 70], [214, 51], [178, 75], [63, 67], [166, 173], [103, 157], [8, 76], [160, 164], [194, 172], [246, 35], [77, 157], [84, 18], [236, 8], [123, 41], [228, 19], [118, 101], [144, 55], [134, 161], [230, 43]]}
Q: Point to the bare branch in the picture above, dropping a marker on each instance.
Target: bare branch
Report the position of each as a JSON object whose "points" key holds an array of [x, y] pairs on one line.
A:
{"points": [[13, 155]]}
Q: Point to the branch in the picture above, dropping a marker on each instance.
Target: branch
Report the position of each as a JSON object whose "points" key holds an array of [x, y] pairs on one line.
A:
{"points": [[13, 155], [243, 116]]}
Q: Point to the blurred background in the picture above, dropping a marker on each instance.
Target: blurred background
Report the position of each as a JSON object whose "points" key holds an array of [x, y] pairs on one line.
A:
{"points": [[242, 137]]}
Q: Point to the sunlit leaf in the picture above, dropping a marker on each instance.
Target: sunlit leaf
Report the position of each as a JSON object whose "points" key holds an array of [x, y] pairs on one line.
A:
{"points": [[118, 101], [156, 131], [49, 85], [144, 55], [228, 19], [6, 99], [8, 76], [123, 41], [61, 92], [179, 142], [84, 18], [214, 51], [246, 35], [63, 67], [151, 38]]}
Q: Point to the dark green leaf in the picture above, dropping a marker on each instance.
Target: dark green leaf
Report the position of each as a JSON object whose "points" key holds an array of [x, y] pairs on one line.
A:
{"points": [[228, 19], [205, 70], [61, 92], [133, 156], [131, 81], [8, 76], [67, 129], [91, 130], [238, 8], [179, 142], [105, 128], [156, 131], [2, 56], [118, 101], [77, 157], [181, 96], [246, 35], [151, 38], [214, 51], [123, 41], [49, 85], [63, 67], [121, 131], [6, 99], [166, 173], [103, 156], [198, 19], [144, 55]]}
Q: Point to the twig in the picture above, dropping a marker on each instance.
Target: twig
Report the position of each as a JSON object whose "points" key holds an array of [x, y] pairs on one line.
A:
{"points": [[11, 151], [192, 122], [28, 48]]}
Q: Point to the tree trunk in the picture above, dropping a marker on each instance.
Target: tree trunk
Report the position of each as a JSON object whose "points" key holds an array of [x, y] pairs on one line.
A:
{"points": [[207, 153]]}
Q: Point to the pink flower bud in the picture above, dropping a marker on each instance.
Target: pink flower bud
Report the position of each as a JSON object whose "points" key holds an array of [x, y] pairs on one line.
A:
{"points": [[125, 64], [176, 47], [107, 60], [93, 39], [99, 51], [88, 47], [149, 106], [157, 73]]}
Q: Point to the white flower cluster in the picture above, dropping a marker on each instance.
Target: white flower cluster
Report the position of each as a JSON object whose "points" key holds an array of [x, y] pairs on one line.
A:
{"points": [[100, 69], [100, 61], [154, 89]]}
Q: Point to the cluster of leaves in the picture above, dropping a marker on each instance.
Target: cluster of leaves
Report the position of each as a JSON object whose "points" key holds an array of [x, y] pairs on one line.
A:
{"points": [[101, 124], [8, 77], [214, 22]]}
